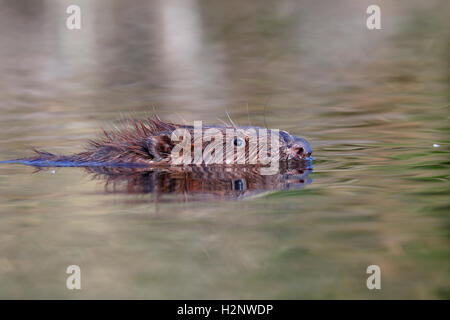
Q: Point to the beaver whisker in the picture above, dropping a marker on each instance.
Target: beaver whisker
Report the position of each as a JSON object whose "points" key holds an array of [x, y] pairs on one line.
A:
{"points": [[248, 116], [230, 119], [226, 124]]}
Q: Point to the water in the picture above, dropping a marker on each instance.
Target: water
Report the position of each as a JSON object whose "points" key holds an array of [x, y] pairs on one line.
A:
{"points": [[373, 104]]}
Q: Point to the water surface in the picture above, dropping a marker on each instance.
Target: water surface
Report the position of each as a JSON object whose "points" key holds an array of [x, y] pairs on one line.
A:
{"points": [[372, 104]]}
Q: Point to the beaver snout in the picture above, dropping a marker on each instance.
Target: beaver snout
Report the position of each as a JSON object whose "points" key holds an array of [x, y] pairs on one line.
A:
{"points": [[300, 149]]}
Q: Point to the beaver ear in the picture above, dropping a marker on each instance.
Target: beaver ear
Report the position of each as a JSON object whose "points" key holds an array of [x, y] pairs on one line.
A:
{"points": [[159, 147], [286, 137]]}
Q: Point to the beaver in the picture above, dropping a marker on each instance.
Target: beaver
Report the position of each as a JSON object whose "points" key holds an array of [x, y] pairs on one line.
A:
{"points": [[149, 143]]}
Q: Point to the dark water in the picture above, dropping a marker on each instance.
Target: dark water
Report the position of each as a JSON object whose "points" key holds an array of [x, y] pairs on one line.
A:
{"points": [[373, 104]]}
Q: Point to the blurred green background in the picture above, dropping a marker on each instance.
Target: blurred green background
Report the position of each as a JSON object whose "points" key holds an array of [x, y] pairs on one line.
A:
{"points": [[372, 104]]}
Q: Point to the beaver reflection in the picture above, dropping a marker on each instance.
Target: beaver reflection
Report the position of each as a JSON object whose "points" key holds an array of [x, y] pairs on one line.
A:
{"points": [[200, 182]]}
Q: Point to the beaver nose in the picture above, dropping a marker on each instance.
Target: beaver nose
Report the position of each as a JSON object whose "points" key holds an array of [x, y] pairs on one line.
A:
{"points": [[299, 152], [301, 148]]}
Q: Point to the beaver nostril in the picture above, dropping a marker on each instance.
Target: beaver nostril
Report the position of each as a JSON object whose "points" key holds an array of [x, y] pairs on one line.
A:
{"points": [[297, 152]]}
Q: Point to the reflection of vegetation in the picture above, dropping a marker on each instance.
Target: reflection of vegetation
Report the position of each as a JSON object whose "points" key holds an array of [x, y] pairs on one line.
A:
{"points": [[272, 26], [419, 24]]}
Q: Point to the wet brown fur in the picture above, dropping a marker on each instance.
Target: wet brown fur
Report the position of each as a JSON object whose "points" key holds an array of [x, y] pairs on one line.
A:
{"points": [[145, 142]]}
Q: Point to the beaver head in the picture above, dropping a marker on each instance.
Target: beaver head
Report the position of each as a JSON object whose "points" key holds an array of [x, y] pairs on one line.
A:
{"points": [[246, 145]]}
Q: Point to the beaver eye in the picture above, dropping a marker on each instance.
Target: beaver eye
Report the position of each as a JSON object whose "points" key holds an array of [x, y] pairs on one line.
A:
{"points": [[238, 142]]}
